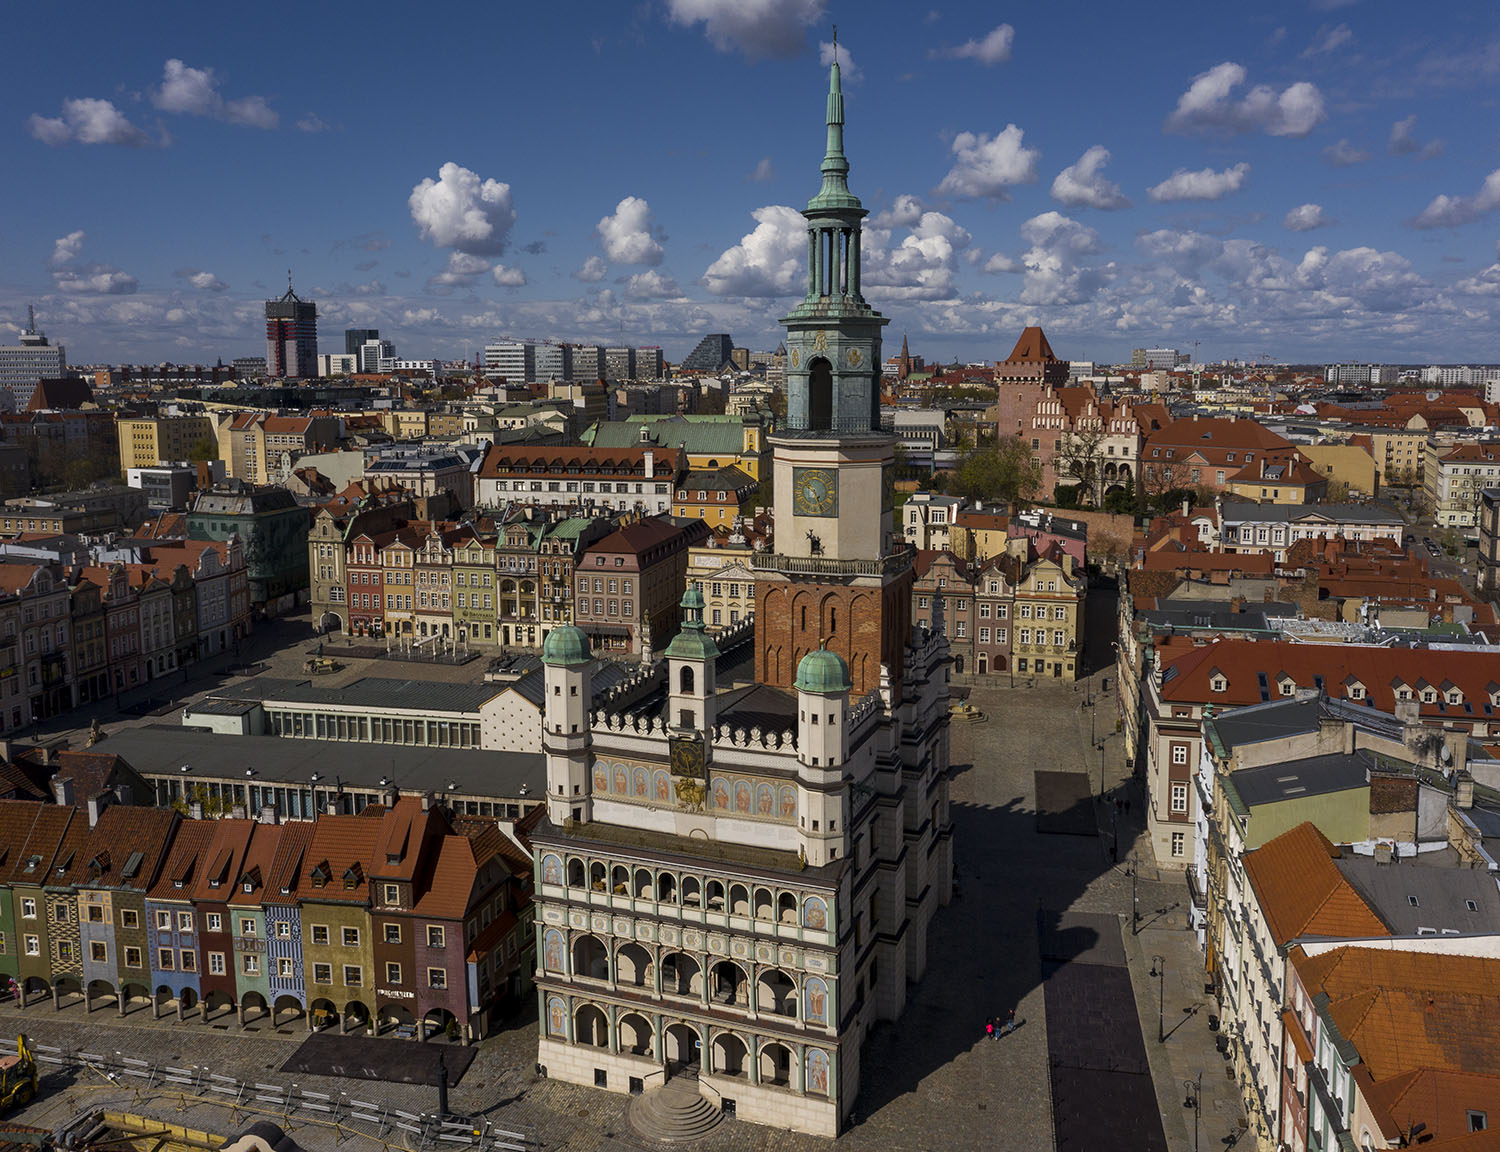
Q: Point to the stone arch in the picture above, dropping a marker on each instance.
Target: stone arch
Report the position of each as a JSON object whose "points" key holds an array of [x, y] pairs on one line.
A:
{"points": [[590, 958], [728, 984], [633, 965], [97, 989], [396, 1016], [827, 606], [598, 876], [634, 1034], [786, 908], [643, 885], [730, 1055], [437, 1021], [286, 1002], [820, 405], [619, 880], [590, 1026], [685, 681], [683, 1044], [739, 900], [681, 975], [775, 992], [692, 892], [763, 904], [666, 888], [777, 1065], [713, 896], [577, 873]]}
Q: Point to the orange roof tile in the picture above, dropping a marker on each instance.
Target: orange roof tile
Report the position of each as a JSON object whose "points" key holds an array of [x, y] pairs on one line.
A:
{"points": [[1302, 893]]}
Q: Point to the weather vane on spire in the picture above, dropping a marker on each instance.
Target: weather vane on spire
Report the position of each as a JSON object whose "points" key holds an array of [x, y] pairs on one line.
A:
{"points": [[835, 43]]}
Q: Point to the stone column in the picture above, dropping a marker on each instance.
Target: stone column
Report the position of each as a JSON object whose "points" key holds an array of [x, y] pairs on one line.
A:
{"points": [[854, 261], [612, 1020], [120, 999], [812, 261], [56, 999], [752, 990], [833, 261], [179, 1008], [752, 1057], [240, 1013]]}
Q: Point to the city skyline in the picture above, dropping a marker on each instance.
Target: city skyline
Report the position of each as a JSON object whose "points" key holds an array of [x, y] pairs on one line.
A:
{"points": [[1308, 183]]}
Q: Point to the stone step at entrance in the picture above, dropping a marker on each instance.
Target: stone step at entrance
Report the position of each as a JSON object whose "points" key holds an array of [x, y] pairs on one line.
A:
{"points": [[675, 1113]]}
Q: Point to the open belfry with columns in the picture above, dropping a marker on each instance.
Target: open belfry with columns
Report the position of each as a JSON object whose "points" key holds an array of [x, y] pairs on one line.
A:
{"points": [[735, 883]]}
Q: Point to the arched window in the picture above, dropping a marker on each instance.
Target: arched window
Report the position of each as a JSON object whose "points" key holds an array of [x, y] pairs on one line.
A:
{"points": [[686, 681], [820, 395]]}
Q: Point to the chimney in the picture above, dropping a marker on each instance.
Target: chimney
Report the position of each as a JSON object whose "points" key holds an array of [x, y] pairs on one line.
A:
{"points": [[1187, 505], [238, 812], [268, 814], [195, 810], [1464, 790], [124, 795], [650, 462], [62, 791], [96, 807]]}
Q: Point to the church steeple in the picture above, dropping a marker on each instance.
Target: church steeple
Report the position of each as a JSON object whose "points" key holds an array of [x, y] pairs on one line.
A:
{"points": [[835, 191]]}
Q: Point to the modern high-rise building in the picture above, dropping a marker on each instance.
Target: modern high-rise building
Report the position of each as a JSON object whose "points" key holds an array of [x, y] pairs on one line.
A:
{"points": [[374, 355], [588, 363], [619, 364], [649, 364], [735, 882], [23, 365], [515, 360], [554, 362], [291, 337], [355, 338], [712, 351]]}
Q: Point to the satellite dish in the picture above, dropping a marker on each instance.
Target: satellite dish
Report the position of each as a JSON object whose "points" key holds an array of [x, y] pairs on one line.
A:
{"points": [[1433, 395]]}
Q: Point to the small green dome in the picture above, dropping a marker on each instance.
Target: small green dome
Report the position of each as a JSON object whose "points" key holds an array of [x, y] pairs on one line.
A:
{"points": [[823, 671], [566, 646]]}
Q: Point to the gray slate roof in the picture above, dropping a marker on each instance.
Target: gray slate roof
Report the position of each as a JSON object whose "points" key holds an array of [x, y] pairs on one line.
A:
{"points": [[375, 692], [1295, 779], [1442, 892]]}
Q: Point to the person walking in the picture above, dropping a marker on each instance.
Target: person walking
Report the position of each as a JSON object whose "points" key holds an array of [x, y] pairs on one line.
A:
{"points": [[989, 1028]]}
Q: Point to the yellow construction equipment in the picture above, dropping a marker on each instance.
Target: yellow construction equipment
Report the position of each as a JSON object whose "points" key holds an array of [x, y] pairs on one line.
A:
{"points": [[18, 1078]]}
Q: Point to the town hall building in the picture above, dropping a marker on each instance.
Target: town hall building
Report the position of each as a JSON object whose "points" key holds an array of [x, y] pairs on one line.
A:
{"points": [[735, 884]]}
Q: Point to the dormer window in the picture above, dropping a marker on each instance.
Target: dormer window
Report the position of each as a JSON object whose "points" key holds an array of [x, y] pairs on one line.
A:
{"points": [[1218, 684], [1288, 687], [1356, 692], [248, 886]]}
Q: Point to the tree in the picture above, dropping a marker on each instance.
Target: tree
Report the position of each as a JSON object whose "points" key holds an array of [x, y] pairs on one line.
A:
{"points": [[1338, 492], [1121, 500], [1077, 458], [205, 449], [1001, 471]]}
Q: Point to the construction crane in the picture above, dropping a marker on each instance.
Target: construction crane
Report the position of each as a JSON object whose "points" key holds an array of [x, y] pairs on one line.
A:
{"points": [[18, 1077]]}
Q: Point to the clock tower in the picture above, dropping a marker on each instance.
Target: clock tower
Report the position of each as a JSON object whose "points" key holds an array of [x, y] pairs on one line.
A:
{"points": [[837, 577]]}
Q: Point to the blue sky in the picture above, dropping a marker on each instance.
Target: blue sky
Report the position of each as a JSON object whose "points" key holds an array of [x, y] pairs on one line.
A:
{"points": [[1316, 180]]}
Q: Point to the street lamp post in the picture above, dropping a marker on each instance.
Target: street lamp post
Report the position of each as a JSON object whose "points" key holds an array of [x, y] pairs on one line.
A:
{"points": [[1194, 1100], [1159, 970], [1135, 900]]}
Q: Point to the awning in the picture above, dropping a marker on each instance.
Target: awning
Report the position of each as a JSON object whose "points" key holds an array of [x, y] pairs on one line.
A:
{"points": [[607, 629]]}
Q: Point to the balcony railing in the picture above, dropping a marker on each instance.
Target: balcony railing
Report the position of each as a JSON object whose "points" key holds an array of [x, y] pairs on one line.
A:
{"points": [[821, 566]]}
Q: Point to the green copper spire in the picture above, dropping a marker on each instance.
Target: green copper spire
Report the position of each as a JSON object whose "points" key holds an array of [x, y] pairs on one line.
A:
{"points": [[835, 191]]}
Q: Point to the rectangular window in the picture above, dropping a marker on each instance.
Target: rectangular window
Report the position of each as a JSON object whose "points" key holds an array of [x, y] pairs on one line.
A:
{"points": [[353, 976], [436, 936], [284, 968], [96, 914], [60, 912], [98, 953], [283, 930], [213, 922], [247, 926], [184, 921], [351, 937], [28, 910], [1179, 843], [132, 957], [216, 963], [1179, 754], [437, 978], [129, 918], [65, 950], [393, 933], [393, 973], [190, 960], [1179, 797], [322, 973], [320, 933], [164, 958]]}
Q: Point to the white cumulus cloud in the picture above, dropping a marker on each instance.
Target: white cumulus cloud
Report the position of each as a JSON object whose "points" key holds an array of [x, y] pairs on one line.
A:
{"points": [[923, 264], [201, 280], [1453, 211], [1056, 268], [1209, 104], [771, 260], [754, 27], [66, 248], [507, 277], [1306, 217], [461, 269], [459, 210], [986, 166], [1403, 140], [1344, 154], [1203, 184], [629, 236], [1082, 184], [87, 121], [594, 269], [194, 92], [848, 69], [651, 285], [994, 48]]}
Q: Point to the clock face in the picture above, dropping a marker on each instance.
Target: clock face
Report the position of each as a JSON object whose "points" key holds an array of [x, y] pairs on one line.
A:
{"points": [[815, 492]]}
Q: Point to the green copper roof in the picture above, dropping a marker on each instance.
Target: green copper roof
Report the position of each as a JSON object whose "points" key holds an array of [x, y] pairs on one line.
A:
{"points": [[835, 194], [565, 647], [824, 672], [692, 642]]}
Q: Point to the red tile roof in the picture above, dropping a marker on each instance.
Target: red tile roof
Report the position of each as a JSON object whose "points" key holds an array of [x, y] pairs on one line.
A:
{"points": [[1302, 893]]}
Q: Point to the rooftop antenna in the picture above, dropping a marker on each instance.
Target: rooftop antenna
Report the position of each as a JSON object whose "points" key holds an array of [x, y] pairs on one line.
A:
{"points": [[31, 317]]}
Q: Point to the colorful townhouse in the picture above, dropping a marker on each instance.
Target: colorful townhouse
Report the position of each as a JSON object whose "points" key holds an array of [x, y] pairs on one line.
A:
{"points": [[172, 922], [283, 919]]}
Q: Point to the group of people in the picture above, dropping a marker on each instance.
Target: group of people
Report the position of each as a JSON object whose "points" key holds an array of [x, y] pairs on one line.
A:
{"points": [[994, 1027]]}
